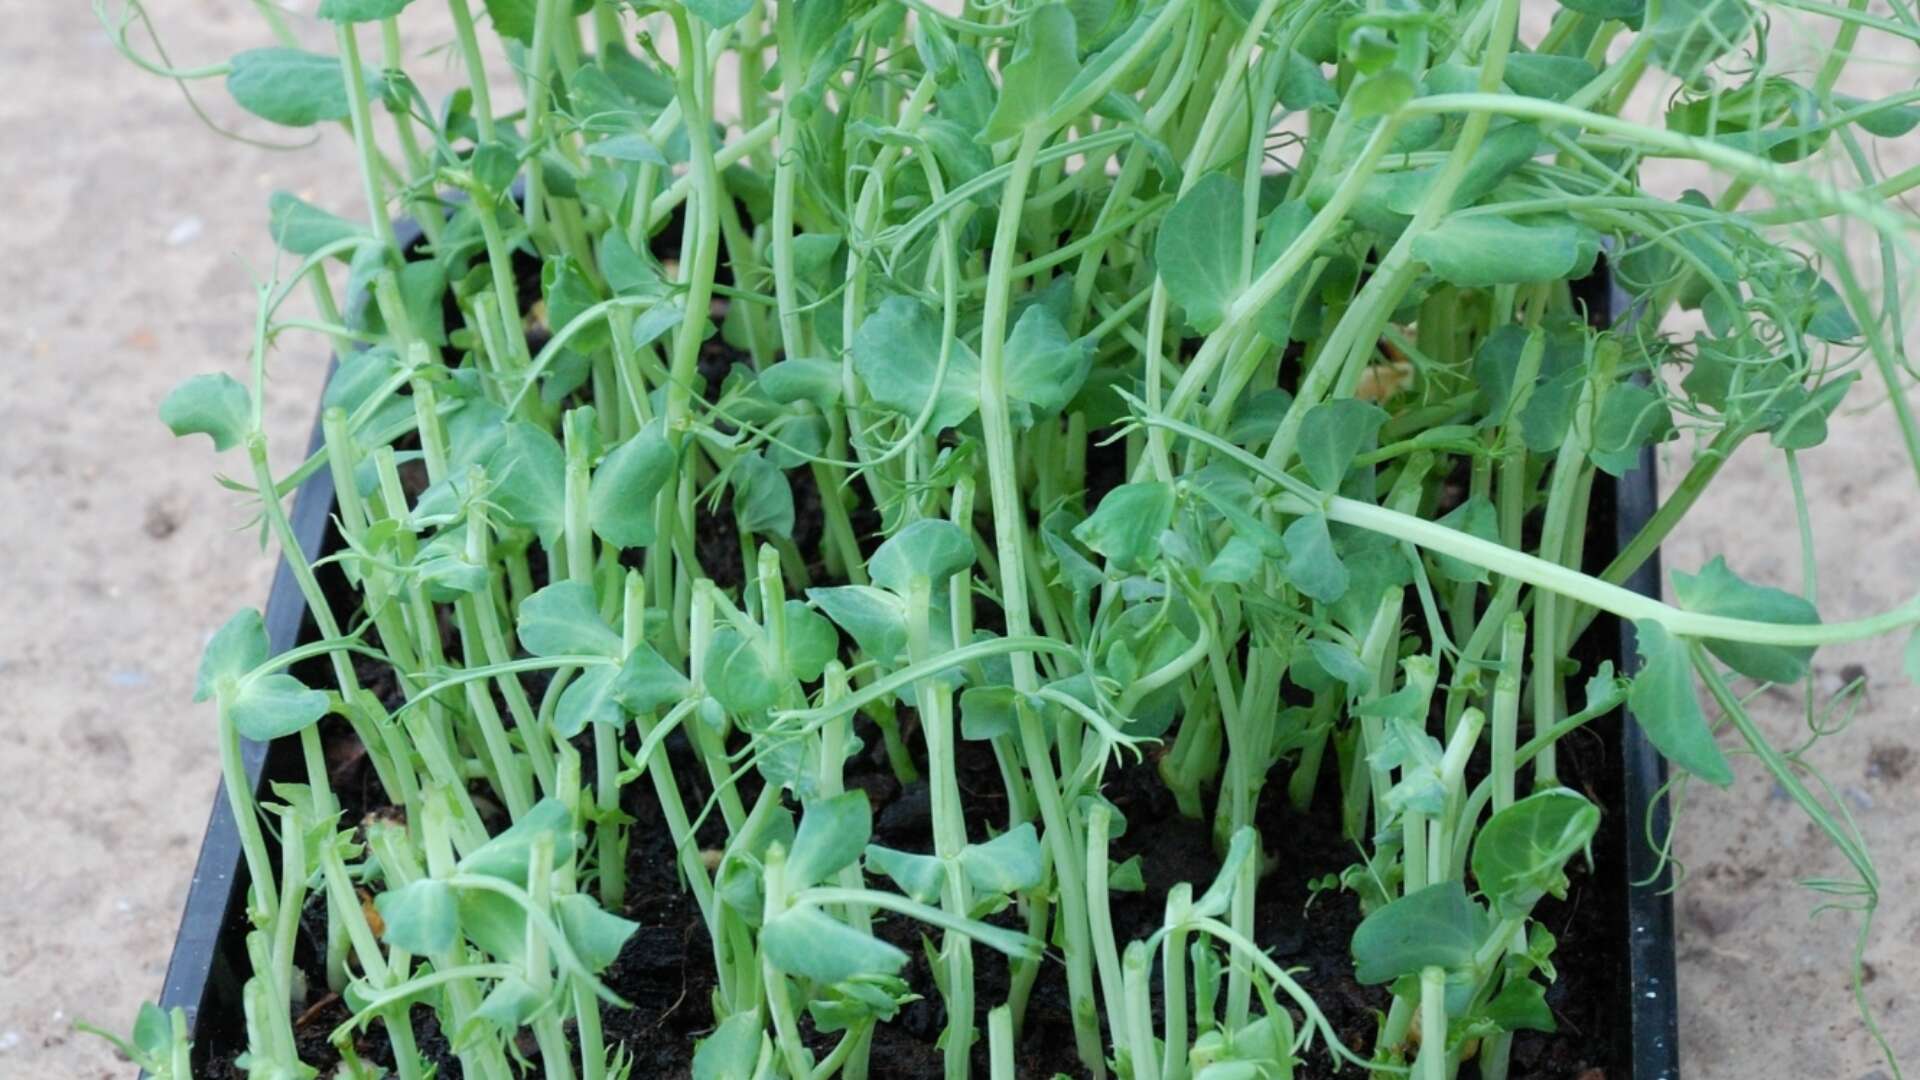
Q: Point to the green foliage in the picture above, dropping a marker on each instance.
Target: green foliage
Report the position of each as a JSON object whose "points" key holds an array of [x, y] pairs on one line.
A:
{"points": [[763, 414]]}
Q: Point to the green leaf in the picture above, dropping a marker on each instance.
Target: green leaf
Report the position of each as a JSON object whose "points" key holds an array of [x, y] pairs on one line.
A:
{"points": [[528, 471], [420, 917], [739, 675], [1542, 75], [514, 18], [832, 834], [1275, 320], [647, 681], [923, 877], [762, 498], [300, 228], [505, 856], [1438, 926], [1521, 1005], [1806, 426], [1521, 852], [1200, 247], [1007, 864], [593, 697], [569, 293], [812, 643], [595, 934], [1045, 61], [933, 548], [630, 147], [1045, 367], [1717, 590], [803, 379], [719, 13], [988, 712], [511, 1003], [356, 11], [1126, 526], [216, 406], [1687, 35], [807, 942], [875, 618], [1479, 249], [628, 273], [620, 500], [239, 646], [732, 1050], [1476, 517], [1332, 434], [290, 86], [563, 619], [1662, 700], [897, 353], [1312, 565], [265, 707], [1303, 85]]}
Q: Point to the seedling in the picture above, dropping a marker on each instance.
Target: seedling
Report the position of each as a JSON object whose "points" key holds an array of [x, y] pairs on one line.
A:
{"points": [[788, 405]]}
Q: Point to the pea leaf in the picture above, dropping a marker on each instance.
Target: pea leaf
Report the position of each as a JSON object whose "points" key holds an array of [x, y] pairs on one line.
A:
{"points": [[1521, 1005], [1275, 321], [803, 379], [620, 499], [290, 86], [806, 941], [922, 877], [875, 618], [1045, 61], [1717, 590], [265, 707], [1520, 854], [897, 353], [1480, 249], [1434, 927], [739, 675], [1127, 524], [1199, 250], [301, 228], [514, 18], [832, 834], [214, 405], [505, 855], [1312, 564], [239, 646], [419, 917], [762, 498], [591, 698], [1687, 35], [647, 681], [988, 712], [528, 470], [354, 11], [719, 13], [1332, 435], [1662, 700], [595, 934], [1007, 864], [732, 1050], [1045, 368], [563, 619], [569, 294], [933, 548]]}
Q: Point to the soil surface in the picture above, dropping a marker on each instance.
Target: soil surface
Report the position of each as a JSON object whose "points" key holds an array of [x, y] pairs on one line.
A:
{"points": [[132, 239]]}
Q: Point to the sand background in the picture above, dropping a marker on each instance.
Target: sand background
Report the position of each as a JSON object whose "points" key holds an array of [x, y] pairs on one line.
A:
{"points": [[131, 241]]}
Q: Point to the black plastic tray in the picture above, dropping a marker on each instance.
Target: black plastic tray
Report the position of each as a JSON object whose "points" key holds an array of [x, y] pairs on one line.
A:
{"points": [[207, 968]]}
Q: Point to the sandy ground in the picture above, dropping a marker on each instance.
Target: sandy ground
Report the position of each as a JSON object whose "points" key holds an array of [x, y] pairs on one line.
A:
{"points": [[133, 239]]}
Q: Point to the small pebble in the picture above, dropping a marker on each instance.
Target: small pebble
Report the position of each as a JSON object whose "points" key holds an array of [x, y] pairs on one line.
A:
{"points": [[185, 231], [129, 679]]}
